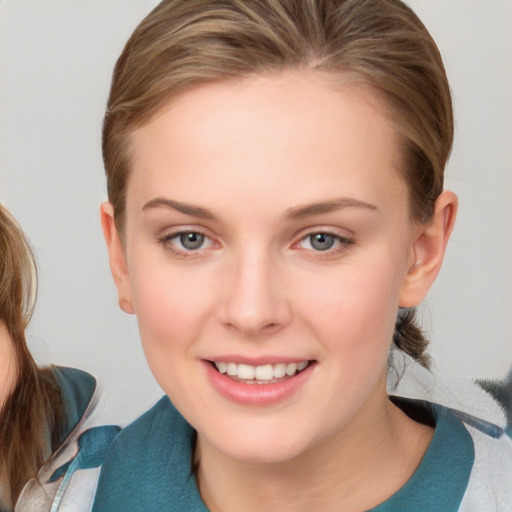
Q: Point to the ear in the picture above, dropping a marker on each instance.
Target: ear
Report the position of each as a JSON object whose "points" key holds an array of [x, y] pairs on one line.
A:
{"points": [[429, 247], [117, 258]]}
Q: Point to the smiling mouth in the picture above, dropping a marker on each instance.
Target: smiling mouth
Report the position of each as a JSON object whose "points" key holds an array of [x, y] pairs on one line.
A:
{"points": [[263, 374]]}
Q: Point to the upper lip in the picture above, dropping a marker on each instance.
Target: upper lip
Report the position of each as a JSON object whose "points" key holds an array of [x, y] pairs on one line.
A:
{"points": [[257, 361]]}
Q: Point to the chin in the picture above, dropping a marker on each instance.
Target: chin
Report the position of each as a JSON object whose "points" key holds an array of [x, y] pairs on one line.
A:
{"points": [[256, 444]]}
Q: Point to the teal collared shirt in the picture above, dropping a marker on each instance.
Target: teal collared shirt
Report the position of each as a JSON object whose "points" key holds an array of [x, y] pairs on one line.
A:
{"points": [[77, 391], [441, 479], [149, 466]]}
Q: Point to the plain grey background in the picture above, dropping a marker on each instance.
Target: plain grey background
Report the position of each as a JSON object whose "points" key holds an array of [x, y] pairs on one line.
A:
{"points": [[56, 57]]}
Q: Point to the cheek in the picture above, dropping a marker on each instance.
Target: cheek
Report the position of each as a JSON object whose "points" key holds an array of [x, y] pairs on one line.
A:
{"points": [[355, 305], [354, 322], [170, 303], [170, 307]]}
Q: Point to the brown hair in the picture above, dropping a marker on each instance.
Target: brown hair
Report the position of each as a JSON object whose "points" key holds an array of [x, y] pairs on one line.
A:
{"points": [[31, 414], [379, 43]]}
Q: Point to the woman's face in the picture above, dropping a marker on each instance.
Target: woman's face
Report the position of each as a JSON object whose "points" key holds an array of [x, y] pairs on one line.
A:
{"points": [[8, 371], [268, 240]]}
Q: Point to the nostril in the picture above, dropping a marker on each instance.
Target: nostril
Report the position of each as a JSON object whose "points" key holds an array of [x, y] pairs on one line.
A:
{"points": [[270, 327]]}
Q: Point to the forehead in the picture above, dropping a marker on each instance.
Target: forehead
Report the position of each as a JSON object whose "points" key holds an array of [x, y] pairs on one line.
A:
{"points": [[290, 129]]}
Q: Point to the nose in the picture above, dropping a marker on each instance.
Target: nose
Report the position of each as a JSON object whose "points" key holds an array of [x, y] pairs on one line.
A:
{"points": [[255, 301]]}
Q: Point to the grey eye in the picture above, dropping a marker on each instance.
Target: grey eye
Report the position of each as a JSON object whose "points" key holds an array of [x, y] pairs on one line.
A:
{"points": [[191, 241], [321, 241]]}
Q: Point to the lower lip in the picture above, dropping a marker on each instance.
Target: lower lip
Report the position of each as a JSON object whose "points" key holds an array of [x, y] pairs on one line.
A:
{"points": [[256, 394]]}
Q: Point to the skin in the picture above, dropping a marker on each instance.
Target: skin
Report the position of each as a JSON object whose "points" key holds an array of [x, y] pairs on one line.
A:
{"points": [[8, 373], [251, 157]]}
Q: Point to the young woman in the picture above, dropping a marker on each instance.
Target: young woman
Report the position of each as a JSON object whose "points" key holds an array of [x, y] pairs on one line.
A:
{"points": [[41, 409], [276, 212]]}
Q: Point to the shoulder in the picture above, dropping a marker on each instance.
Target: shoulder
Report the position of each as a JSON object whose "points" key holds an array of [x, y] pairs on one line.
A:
{"points": [[468, 462], [468, 400], [149, 465], [162, 421], [158, 434], [68, 481], [484, 422], [490, 483], [160, 426], [78, 392]]}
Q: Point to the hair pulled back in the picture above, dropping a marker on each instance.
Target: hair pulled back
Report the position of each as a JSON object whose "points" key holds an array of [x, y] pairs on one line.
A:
{"points": [[378, 43], [31, 413]]}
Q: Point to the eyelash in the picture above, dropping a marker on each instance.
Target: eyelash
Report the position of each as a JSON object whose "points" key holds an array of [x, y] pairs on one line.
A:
{"points": [[166, 242], [342, 243]]}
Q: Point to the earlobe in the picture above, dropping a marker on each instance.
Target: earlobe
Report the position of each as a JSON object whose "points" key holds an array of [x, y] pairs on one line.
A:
{"points": [[117, 258], [429, 248]]}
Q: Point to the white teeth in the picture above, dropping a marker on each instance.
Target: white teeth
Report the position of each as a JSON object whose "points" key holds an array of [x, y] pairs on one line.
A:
{"points": [[246, 372], [279, 370], [291, 369], [265, 372]]}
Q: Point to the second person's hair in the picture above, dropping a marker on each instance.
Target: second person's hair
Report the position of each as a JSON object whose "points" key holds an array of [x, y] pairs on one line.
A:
{"points": [[31, 415]]}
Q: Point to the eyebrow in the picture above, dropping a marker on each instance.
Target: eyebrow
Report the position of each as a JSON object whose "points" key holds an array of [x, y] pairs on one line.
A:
{"points": [[297, 212], [186, 208], [307, 210]]}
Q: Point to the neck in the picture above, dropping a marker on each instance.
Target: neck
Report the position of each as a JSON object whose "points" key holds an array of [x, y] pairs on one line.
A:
{"points": [[8, 370], [358, 468]]}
